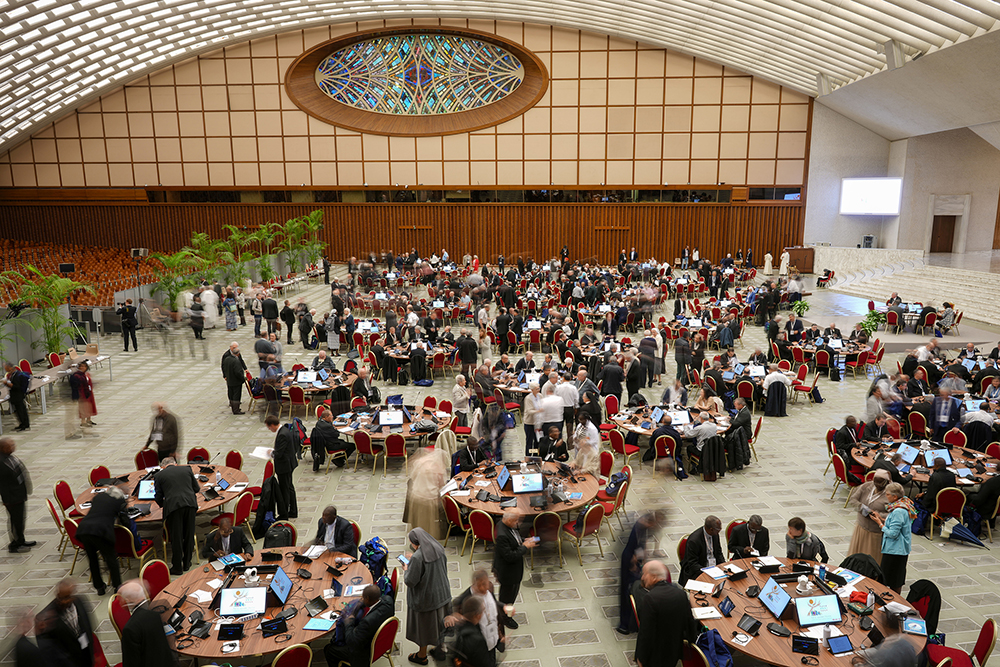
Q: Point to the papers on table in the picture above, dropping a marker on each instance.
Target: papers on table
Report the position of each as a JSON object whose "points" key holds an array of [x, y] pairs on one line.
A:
{"points": [[769, 560], [705, 613], [896, 607], [263, 453], [329, 593], [461, 494], [201, 596], [732, 569], [699, 586], [742, 639], [483, 482], [714, 572], [354, 591], [344, 429], [845, 591], [441, 415], [315, 551], [215, 583], [452, 485], [236, 488], [816, 632]]}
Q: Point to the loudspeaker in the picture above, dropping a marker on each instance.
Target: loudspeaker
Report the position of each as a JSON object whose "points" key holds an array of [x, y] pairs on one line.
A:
{"points": [[139, 252], [67, 268]]}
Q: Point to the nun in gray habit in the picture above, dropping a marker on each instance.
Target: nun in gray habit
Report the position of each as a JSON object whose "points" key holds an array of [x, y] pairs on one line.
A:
{"points": [[428, 593]]}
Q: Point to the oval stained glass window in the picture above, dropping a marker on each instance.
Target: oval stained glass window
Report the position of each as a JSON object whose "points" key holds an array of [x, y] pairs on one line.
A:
{"points": [[419, 74]]}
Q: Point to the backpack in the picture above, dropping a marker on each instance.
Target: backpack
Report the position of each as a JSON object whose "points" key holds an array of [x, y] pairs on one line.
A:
{"points": [[508, 420], [817, 398], [711, 644], [278, 536], [257, 387], [385, 585], [374, 554], [313, 343], [835, 373], [402, 378], [424, 383], [614, 484], [376, 395], [298, 430], [578, 524], [340, 628]]}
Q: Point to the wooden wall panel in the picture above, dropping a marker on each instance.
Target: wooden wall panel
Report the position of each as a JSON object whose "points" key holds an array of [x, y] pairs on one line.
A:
{"points": [[591, 230]]}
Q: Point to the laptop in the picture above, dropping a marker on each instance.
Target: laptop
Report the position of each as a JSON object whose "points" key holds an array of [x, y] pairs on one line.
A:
{"points": [[323, 374], [146, 490], [381, 296], [280, 585], [305, 377], [694, 322], [972, 406], [530, 483], [818, 341], [932, 454], [604, 308], [757, 371], [909, 453], [534, 324], [969, 364], [437, 304], [316, 606], [391, 276], [728, 376], [738, 369], [680, 418], [390, 418], [242, 601], [656, 415], [836, 343], [818, 610], [775, 598]]}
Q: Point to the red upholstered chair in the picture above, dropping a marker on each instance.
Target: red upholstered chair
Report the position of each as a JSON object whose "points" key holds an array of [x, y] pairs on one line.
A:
{"points": [[98, 473], [607, 463], [59, 526], [893, 425], [234, 459], [65, 499], [693, 656], [196, 453], [929, 322], [126, 550], [446, 406], [257, 490], [454, 516], [298, 655], [955, 438], [840, 470], [993, 450], [744, 390], [614, 506], [156, 574], [618, 446], [892, 320], [358, 402], [70, 526], [682, 548], [146, 458], [806, 389], [458, 430], [297, 398], [591, 526], [959, 658], [395, 447], [546, 527], [363, 442], [385, 638], [753, 440], [481, 527], [948, 503], [917, 423], [240, 516], [800, 375], [731, 526], [119, 613], [510, 406], [430, 402]]}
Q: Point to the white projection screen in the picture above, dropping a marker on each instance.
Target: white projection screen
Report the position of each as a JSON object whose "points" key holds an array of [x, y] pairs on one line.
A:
{"points": [[870, 196]]}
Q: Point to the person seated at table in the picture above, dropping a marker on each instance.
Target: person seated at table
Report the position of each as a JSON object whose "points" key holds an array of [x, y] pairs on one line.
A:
{"points": [[704, 549], [568, 367], [701, 428], [363, 619], [917, 385], [609, 327], [526, 364], [893, 300], [666, 427], [812, 333], [775, 375], [274, 374], [363, 385], [941, 478], [325, 440], [728, 359], [228, 539], [431, 328], [548, 364], [985, 501], [993, 391], [990, 370], [800, 544], [707, 401], [891, 465], [552, 447], [470, 456], [876, 429], [715, 372], [784, 347], [832, 331], [675, 394], [983, 415], [793, 328], [858, 335], [446, 335], [502, 366], [946, 318], [588, 337], [953, 383], [323, 361], [970, 351], [758, 358], [922, 317], [336, 533], [484, 378], [749, 539]]}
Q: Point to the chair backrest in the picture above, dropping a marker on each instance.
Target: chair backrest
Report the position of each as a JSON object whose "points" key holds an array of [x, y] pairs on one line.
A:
{"points": [[731, 526], [451, 511], [617, 441], [949, 502], [234, 459], [693, 656], [291, 528], [270, 394], [682, 548], [357, 532], [955, 438], [785, 365], [63, 494], [363, 442], [146, 458], [744, 389], [53, 359], [893, 425], [55, 515], [840, 469], [268, 470], [985, 643], [156, 574], [98, 473], [802, 372], [547, 525], [710, 381], [482, 525], [395, 445], [593, 518], [357, 402], [296, 395], [124, 541], [244, 504], [822, 358], [756, 429], [993, 450], [298, 655], [430, 402], [385, 638], [198, 453], [665, 446], [25, 366], [446, 406], [119, 613], [610, 405]]}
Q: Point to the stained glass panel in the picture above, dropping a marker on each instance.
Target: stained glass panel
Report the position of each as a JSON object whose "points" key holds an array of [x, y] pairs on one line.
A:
{"points": [[419, 74]]}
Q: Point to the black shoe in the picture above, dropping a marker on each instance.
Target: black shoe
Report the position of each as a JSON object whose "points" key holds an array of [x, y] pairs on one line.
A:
{"points": [[22, 428], [509, 623], [19, 550], [176, 573], [622, 631], [102, 591], [239, 412], [29, 544]]}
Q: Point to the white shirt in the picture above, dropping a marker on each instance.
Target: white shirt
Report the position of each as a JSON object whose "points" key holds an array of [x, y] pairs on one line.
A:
{"points": [[550, 408], [978, 416], [460, 398], [488, 623], [776, 376], [710, 550], [702, 432], [412, 320], [568, 393], [923, 354]]}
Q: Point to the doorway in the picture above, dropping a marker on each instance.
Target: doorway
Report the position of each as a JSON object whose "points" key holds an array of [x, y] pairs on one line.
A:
{"points": [[943, 233]]}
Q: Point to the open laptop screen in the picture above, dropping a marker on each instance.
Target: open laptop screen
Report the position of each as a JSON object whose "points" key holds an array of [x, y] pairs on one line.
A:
{"points": [[243, 601]]}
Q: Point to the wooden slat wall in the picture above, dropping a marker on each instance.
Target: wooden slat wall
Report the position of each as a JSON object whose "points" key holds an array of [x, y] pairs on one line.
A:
{"points": [[539, 230]]}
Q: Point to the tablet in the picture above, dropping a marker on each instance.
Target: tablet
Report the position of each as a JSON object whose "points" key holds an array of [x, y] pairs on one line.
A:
{"points": [[281, 585], [530, 483], [839, 645], [932, 454], [909, 453], [774, 597], [242, 601], [818, 610]]}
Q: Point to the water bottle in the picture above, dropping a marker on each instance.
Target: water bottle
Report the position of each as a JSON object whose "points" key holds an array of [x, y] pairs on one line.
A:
{"points": [[822, 571], [826, 635], [218, 478], [870, 602]]}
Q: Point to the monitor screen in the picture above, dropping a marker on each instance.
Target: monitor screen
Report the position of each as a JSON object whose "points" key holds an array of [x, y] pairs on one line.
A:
{"points": [[728, 376], [306, 377], [971, 405], [818, 610], [502, 477], [932, 454], [656, 415], [836, 343], [146, 490], [969, 364], [437, 304], [364, 327], [774, 597], [870, 196], [530, 483], [534, 324], [604, 308], [908, 453], [390, 418], [381, 296], [738, 369], [694, 322], [680, 418], [281, 585], [757, 371], [242, 601]]}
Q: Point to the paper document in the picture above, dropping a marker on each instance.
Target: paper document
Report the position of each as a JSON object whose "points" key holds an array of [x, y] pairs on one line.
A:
{"points": [[201, 596], [236, 488], [263, 453], [483, 482], [452, 485], [461, 494], [714, 572], [699, 586], [769, 560], [315, 551], [353, 591], [214, 583], [816, 632], [705, 613], [732, 569]]}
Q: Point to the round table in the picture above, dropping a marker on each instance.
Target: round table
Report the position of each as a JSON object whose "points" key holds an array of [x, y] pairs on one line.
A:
{"points": [[253, 643], [586, 485], [961, 457], [343, 422], [774, 650], [632, 422], [231, 475]]}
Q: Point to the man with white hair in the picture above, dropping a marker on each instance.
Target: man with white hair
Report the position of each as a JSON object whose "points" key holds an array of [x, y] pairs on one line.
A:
{"points": [[460, 395], [700, 429], [144, 643], [570, 398], [323, 361]]}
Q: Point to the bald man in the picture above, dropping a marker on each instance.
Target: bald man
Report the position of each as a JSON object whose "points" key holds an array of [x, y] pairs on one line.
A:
{"points": [[665, 619], [143, 642]]}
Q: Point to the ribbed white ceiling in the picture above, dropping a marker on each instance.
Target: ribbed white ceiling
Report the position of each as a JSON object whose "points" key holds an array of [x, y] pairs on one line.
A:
{"points": [[55, 56]]}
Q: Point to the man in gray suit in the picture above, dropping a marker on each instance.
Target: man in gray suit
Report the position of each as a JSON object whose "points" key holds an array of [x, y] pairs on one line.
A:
{"points": [[176, 490]]}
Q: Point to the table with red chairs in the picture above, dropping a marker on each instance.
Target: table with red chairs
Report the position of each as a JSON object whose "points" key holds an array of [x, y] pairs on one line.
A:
{"points": [[633, 421], [237, 480], [961, 458], [775, 650], [587, 485], [363, 418], [253, 642]]}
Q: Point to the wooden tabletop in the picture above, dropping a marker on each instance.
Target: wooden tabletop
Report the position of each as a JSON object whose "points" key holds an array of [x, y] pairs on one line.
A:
{"points": [[962, 458], [382, 433], [231, 475], [774, 650], [336, 380], [586, 486], [253, 643], [623, 420]]}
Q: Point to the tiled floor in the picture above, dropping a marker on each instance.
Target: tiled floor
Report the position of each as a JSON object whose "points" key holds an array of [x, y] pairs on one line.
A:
{"points": [[568, 614]]}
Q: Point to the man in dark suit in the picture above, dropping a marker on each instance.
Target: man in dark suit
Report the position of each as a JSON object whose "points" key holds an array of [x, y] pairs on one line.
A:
{"points": [[325, 440], [269, 310], [922, 317], [941, 478], [945, 414], [527, 363], [698, 553], [468, 351], [892, 467], [234, 371], [665, 619], [742, 420], [15, 487], [876, 429], [176, 492], [19, 382], [144, 643], [226, 540], [363, 386], [360, 627], [989, 372], [336, 533], [611, 377], [471, 456], [508, 560], [70, 630], [164, 432], [832, 331], [285, 462], [665, 428], [633, 374], [748, 538], [129, 323], [985, 501]]}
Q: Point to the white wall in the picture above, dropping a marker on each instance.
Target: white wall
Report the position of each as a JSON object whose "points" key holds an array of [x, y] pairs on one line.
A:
{"points": [[840, 148]]}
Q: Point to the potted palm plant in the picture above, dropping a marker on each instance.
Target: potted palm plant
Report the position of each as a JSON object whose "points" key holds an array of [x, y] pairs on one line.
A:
{"points": [[46, 293]]}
